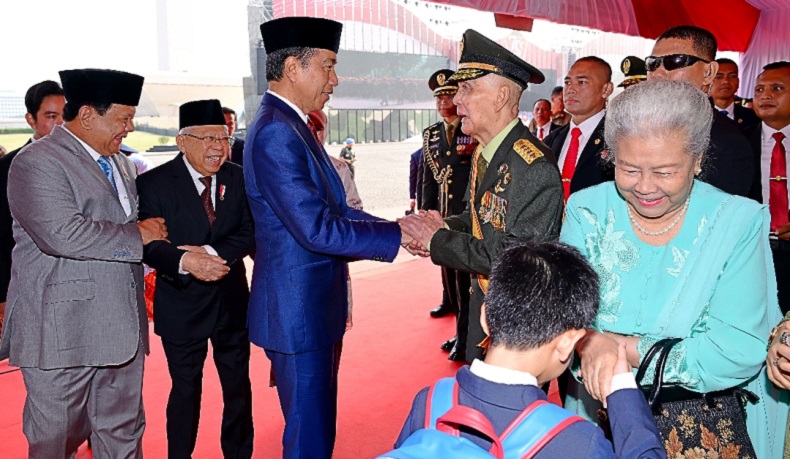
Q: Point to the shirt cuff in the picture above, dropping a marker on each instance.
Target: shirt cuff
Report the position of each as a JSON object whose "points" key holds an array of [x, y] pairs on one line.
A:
{"points": [[623, 381], [180, 268], [210, 250]]}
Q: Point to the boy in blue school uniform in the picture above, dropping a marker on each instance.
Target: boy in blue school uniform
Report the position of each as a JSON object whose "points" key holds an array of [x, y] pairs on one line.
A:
{"points": [[541, 299]]}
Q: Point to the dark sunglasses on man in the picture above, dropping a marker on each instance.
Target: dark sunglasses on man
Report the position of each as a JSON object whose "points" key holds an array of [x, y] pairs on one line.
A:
{"points": [[672, 62]]}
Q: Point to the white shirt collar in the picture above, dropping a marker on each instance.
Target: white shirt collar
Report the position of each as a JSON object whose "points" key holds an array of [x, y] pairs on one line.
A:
{"points": [[192, 172], [588, 126], [298, 111], [94, 154], [502, 375], [768, 133]]}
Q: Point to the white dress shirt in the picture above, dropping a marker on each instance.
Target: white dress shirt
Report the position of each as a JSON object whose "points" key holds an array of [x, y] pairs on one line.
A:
{"points": [[730, 110], [123, 196], [546, 128], [508, 376], [199, 187], [766, 149], [587, 127]]}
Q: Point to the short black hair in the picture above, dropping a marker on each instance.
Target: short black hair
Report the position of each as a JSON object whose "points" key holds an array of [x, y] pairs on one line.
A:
{"points": [[36, 94], [597, 60], [71, 110], [275, 62], [724, 60], [703, 42], [777, 65], [557, 91], [539, 290], [541, 100], [229, 111]]}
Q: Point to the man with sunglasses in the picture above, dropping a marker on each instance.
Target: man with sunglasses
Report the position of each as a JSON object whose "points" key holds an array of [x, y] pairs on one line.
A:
{"points": [[687, 53], [201, 284]]}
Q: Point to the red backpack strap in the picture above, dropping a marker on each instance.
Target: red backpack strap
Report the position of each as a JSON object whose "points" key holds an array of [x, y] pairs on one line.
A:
{"points": [[442, 396], [534, 428]]}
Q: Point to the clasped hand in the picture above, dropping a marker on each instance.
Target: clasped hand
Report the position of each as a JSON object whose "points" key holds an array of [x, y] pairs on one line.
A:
{"points": [[418, 229], [202, 265]]}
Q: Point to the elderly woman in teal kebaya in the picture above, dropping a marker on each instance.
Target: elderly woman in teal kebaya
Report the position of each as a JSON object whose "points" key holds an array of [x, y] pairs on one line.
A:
{"points": [[677, 258]]}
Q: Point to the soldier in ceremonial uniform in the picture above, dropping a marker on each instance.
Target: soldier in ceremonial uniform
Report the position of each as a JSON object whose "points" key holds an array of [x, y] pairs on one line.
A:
{"points": [[447, 155], [634, 70], [514, 188]]}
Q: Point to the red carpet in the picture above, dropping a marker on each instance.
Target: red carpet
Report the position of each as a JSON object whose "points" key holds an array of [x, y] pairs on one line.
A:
{"points": [[389, 355]]}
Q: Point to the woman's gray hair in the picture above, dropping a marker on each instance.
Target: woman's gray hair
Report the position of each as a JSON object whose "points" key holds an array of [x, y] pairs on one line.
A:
{"points": [[660, 108]]}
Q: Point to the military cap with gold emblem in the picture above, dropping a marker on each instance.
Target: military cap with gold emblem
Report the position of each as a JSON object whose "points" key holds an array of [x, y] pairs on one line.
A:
{"points": [[481, 55], [634, 70], [440, 84]]}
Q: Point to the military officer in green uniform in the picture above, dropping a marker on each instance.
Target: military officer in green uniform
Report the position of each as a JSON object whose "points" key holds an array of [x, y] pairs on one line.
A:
{"points": [[447, 157], [515, 189]]}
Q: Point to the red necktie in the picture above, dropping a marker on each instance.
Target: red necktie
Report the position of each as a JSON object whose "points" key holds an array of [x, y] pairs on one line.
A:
{"points": [[540, 133], [570, 161], [205, 196], [313, 129], [777, 200]]}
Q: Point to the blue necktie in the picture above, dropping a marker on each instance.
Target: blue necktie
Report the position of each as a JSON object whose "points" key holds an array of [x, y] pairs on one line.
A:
{"points": [[106, 167], [725, 113]]}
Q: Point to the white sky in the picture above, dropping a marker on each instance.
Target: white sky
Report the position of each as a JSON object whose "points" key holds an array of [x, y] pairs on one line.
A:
{"points": [[40, 37]]}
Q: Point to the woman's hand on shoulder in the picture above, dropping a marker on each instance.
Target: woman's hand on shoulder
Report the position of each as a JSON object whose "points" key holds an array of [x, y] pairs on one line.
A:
{"points": [[599, 354], [778, 360]]}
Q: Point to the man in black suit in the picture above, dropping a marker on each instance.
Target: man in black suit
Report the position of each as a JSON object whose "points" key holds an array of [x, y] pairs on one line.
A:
{"points": [[686, 53], [540, 125], [770, 142], [237, 148], [44, 103], [587, 87], [447, 161], [201, 286], [723, 89]]}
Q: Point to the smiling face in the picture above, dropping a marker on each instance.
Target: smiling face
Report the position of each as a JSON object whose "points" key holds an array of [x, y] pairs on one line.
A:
{"points": [[206, 158], [772, 97], [315, 83], [654, 175], [104, 133], [586, 89], [49, 114]]}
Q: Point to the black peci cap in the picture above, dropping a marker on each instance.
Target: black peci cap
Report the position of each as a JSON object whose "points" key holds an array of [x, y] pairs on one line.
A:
{"points": [[200, 113], [301, 32], [440, 83], [481, 55], [634, 70], [96, 86]]}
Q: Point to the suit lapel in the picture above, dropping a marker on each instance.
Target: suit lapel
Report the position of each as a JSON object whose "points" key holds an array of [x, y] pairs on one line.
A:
{"points": [[558, 141], [594, 145], [220, 203], [85, 159], [186, 186]]}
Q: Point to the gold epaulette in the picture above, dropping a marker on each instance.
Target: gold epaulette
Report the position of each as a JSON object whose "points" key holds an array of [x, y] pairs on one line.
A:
{"points": [[527, 150]]}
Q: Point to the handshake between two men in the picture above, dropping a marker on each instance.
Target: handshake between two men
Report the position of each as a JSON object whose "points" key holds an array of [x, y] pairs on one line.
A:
{"points": [[418, 229]]}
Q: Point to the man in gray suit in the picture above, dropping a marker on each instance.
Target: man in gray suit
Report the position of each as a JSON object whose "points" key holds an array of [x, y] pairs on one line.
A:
{"points": [[76, 322]]}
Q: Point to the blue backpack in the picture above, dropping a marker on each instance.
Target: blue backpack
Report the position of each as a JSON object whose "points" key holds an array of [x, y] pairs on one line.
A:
{"points": [[526, 435]]}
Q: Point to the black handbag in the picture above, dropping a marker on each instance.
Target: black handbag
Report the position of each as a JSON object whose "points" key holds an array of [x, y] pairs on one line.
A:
{"points": [[692, 424]]}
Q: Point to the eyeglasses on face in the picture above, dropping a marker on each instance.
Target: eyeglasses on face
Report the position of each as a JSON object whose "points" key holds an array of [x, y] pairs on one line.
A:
{"points": [[209, 140], [672, 62]]}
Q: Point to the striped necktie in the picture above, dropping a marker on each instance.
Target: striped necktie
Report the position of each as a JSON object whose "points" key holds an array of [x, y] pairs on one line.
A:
{"points": [[106, 167]]}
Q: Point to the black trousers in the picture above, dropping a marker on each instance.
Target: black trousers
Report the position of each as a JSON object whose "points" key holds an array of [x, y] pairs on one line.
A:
{"points": [[185, 359], [456, 289]]}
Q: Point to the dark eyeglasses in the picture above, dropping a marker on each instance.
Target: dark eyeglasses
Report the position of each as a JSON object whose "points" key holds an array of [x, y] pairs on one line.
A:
{"points": [[672, 62]]}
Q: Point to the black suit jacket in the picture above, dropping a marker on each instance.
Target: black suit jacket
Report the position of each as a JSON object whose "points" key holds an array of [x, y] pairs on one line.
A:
{"points": [[457, 155], [6, 221], [745, 117], [729, 163], [590, 169], [184, 307], [237, 152]]}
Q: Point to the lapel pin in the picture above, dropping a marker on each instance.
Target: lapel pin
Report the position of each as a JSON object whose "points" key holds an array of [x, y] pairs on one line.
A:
{"points": [[222, 192], [597, 141]]}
